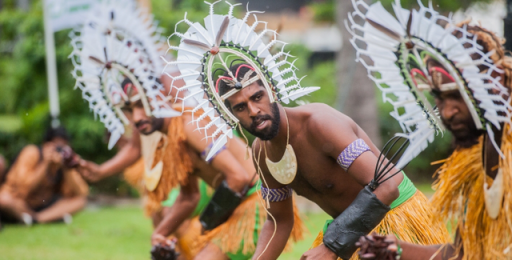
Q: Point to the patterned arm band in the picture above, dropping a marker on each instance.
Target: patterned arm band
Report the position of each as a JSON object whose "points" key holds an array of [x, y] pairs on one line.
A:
{"points": [[350, 154], [276, 195], [207, 151]]}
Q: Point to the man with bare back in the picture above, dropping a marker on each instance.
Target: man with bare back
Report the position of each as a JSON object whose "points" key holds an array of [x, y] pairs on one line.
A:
{"points": [[302, 149], [237, 79]]}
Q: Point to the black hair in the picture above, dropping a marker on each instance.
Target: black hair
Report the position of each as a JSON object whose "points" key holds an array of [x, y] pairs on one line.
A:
{"points": [[125, 82], [224, 88], [55, 132]]}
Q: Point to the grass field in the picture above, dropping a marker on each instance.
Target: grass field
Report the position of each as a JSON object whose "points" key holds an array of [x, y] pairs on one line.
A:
{"points": [[104, 234], [110, 234]]}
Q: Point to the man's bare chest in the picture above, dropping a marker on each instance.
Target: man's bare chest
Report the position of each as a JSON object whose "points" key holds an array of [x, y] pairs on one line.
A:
{"points": [[317, 172]]}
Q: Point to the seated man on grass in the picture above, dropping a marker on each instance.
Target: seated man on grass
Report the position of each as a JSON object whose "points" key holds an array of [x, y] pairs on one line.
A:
{"points": [[42, 186]]}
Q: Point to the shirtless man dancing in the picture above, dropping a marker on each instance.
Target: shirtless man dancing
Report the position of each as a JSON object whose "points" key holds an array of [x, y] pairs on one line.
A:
{"points": [[298, 148], [469, 76]]}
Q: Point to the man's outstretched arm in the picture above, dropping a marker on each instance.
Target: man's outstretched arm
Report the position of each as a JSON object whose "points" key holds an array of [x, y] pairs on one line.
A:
{"points": [[236, 176], [126, 156], [418, 252], [343, 133], [357, 156], [409, 251]]}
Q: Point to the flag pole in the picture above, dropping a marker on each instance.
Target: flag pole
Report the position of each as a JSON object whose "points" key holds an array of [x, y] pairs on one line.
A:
{"points": [[51, 67]]}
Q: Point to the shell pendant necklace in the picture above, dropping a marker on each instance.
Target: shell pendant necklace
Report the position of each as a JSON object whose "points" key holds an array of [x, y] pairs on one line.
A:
{"points": [[285, 169], [149, 145], [494, 194]]}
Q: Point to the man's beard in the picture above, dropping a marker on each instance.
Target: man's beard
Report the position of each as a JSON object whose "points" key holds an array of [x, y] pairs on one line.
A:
{"points": [[467, 137], [270, 133], [155, 124]]}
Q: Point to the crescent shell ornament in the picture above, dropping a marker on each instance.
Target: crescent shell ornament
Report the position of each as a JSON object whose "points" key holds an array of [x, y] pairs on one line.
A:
{"points": [[494, 195], [285, 170], [203, 51]]}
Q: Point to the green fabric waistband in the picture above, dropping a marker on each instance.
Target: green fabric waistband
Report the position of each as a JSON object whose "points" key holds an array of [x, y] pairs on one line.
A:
{"points": [[203, 199], [253, 189], [406, 189]]}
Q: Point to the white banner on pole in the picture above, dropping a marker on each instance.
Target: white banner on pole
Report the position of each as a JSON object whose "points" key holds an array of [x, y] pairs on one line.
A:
{"points": [[51, 67], [59, 15], [64, 14]]}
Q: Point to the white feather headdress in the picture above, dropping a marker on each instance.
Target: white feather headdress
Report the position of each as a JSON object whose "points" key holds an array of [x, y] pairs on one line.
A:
{"points": [[119, 41], [223, 38], [397, 45]]}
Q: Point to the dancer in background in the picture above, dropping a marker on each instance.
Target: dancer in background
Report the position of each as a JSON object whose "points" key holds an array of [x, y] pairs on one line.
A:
{"points": [[465, 69], [132, 50]]}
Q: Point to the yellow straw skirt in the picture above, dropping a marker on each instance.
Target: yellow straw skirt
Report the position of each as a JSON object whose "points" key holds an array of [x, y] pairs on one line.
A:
{"points": [[460, 198], [411, 222], [239, 234], [187, 240]]}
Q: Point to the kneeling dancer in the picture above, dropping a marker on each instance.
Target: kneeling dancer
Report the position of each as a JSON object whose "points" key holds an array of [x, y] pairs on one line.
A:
{"points": [[313, 149], [469, 76]]}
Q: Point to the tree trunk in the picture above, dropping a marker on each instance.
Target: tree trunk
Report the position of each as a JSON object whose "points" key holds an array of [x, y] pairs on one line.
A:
{"points": [[356, 92]]}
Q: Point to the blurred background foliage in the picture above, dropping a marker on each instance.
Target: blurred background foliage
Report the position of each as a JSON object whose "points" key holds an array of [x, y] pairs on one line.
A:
{"points": [[325, 12], [23, 92]]}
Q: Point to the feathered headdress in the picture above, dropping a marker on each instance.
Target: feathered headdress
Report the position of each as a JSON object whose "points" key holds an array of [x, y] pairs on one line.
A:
{"points": [[204, 53], [118, 41], [399, 45]]}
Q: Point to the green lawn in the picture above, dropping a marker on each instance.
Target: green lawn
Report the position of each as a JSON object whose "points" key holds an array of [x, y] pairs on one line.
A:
{"points": [[105, 234]]}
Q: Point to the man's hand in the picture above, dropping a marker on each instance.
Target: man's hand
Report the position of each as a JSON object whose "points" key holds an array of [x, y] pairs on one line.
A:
{"points": [[89, 170], [165, 251], [377, 247], [51, 155], [320, 252], [158, 239]]}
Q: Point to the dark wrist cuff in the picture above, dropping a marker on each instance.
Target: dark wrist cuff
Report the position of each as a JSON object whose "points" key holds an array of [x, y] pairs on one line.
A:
{"points": [[224, 201], [361, 217]]}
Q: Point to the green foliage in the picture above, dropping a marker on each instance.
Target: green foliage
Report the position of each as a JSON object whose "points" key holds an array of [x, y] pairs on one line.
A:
{"points": [[442, 6], [24, 108], [24, 89], [325, 10]]}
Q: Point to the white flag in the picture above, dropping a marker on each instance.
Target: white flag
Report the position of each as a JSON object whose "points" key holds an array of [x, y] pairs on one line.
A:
{"points": [[64, 14]]}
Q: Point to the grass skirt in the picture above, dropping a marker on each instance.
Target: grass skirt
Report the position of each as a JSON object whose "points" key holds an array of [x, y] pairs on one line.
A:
{"points": [[459, 198], [411, 222], [243, 227]]}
